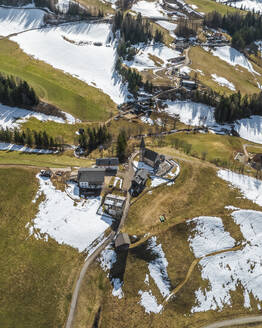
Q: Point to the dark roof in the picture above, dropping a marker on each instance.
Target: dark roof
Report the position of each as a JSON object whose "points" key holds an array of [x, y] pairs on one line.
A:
{"points": [[142, 144], [91, 175], [122, 239], [141, 176], [257, 158], [108, 161], [150, 154]]}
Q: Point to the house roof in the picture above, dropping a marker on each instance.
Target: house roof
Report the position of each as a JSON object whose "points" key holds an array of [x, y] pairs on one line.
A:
{"points": [[107, 161], [91, 175], [122, 239], [151, 155], [141, 176]]}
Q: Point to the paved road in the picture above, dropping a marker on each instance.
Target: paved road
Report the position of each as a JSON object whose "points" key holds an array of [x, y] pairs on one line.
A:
{"points": [[96, 253], [234, 322]]}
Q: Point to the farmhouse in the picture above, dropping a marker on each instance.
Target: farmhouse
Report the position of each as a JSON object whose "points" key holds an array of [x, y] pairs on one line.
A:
{"points": [[90, 180], [139, 182], [150, 157], [189, 84], [110, 164], [122, 242], [256, 162], [114, 205]]}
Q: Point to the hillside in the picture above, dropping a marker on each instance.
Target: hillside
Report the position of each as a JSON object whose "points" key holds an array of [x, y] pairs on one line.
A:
{"points": [[130, 163]]}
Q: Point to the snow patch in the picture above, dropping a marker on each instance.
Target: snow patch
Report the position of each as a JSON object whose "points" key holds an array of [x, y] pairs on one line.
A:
{"points": [[223, 82], [149, 302], [74, 224]]}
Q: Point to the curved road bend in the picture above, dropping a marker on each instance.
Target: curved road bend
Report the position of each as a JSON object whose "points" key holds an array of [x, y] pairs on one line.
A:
{"points": [[234, 322], [96, 253]]}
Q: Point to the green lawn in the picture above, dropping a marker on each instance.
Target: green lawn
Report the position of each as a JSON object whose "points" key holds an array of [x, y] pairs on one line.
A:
{"points": [[206, 6], [36, 276], [54, 86], [60, 160], [242, 79]]}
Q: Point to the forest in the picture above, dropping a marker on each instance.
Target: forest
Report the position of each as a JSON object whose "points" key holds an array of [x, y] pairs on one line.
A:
{"points": [[30, 138], [244, 29], [135, 29], [236, 106], [16, 92], [92, 138]]}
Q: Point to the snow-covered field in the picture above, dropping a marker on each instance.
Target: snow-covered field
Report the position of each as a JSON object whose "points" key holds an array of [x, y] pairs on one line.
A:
{"points": [[208, 236], [251, 5], [158, 272], [250, 187], [227, 271], [241, 269], [233, 57], [18, 20], [149, 9], [107, 259], [250, 128], [10, 117], [196, 114], [169, 26], [223, 82], [149, 302], [82, 58], [158, 267], [23, 149], [143, 61], [59, 217]]}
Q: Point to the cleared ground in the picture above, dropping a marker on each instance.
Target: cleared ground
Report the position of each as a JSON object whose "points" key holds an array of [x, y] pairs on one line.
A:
{"points": [[206, 6]]}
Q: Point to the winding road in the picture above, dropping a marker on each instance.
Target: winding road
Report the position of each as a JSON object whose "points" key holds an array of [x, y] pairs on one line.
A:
{"points": [[96, 253], [233, 322]]}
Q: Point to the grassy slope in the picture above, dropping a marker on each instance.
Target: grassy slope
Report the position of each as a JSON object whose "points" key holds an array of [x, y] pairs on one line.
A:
{"points": [[52, 85], [60, 160], [104, 6], [209, 64], [206, 6], [36, 276], [198, 191]]}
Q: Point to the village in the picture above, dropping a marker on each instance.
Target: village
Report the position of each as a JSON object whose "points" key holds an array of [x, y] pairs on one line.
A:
{"points": [[117, 185]]}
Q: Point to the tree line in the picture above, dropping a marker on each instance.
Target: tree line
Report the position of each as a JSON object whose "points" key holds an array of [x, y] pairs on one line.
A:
{"points": [[16, 92], [244, 29], [236, 106], [30, 138], [92, 138], [135, 29]]}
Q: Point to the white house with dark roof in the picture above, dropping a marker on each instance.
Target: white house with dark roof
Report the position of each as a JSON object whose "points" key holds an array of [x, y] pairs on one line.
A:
{"points": [[90, 180]]}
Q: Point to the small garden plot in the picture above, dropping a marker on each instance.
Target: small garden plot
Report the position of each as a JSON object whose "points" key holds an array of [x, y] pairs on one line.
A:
{"points": [[18, 20], [68, 222], [118, 182]]}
